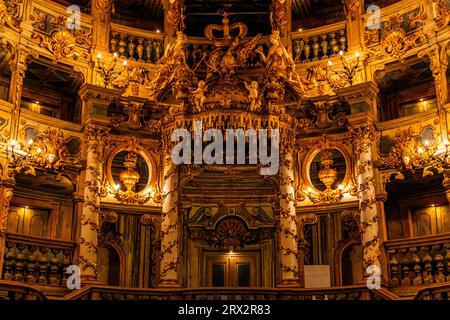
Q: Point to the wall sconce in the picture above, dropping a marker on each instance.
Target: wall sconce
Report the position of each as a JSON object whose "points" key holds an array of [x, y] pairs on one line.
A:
{"points": [[349, 72], [25, 157], [108, 72]]}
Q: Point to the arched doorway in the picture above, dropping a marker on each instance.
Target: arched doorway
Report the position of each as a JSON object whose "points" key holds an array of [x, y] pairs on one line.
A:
{"points": [[351, 264]]}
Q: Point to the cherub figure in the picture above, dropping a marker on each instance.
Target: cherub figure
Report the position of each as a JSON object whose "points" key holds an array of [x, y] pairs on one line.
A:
{"points": [[199, 95], [253, 95]]}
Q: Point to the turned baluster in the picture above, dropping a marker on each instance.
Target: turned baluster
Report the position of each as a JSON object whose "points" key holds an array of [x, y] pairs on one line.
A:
{"points": [[334, 44], [316, 48], [439, 260], [447, 260], [32, 265], [131, 48], [43, 266], [54, 261], [66, 263], [405, 267], [20, 257], [140, 49], [306, 50], [324, 46], [297, 50], [122, 45], [393, 264], [342, 40], [148, 51], [418, 280], [428, 267], [158, 50], [9, 261], [113, 42]]}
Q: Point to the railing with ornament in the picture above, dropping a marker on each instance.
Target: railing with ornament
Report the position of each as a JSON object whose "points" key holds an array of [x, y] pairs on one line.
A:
{"points": [[53, 31], [11, 290], [419, 261], [319, 43], [357, 292], [395, 30], [437, 291], [36, 260], [136, 44]]}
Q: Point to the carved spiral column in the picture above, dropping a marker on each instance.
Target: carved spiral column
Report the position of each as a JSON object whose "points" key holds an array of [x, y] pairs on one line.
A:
{"points": [[288, 222], [362, 141], [97, 138], [170, 262], [101, 12]]}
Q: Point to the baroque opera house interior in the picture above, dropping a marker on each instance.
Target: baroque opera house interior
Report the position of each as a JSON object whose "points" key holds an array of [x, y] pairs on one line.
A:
{"points": [[224, 149]]}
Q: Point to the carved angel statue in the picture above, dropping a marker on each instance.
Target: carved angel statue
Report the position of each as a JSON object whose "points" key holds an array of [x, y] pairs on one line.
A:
{"points": [[199, 96], [280, 67], [224, 63], [172, 67], [253, 96]]}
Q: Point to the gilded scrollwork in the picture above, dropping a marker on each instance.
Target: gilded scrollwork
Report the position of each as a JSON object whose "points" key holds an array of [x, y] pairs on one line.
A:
{"points": [[9, 14], [395, 41], [6, 198], [62, 44]]}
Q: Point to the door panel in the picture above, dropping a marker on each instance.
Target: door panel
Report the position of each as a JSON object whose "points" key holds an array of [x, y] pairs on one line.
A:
{"points": [[232, 270]]}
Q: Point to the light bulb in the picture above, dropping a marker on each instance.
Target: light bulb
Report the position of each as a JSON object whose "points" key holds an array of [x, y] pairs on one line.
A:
{"points": [[13, 143], [341, 53], [125, 63], [330, 63], [116, 187], [426, 142], [309, 190], [420, 150], [99, 55], [30, 142], [115, 55], [38, 150], [341, 187], [357, 54]]}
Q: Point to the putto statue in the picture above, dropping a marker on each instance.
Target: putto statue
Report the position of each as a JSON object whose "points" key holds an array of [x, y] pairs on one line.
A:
{"points": [[280, 67], [253, 97], [199, 96], [173, 68]]}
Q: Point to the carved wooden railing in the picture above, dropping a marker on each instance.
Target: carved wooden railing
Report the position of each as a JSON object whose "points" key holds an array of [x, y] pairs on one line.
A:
{"points": [[36, 260], [357, 292], [319, 43], [136, 44], [11, 290], [437, 291], [419, 261]]}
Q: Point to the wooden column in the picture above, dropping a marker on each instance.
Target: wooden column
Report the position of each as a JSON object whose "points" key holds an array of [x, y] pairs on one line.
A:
{"points": [[6, 193], [101, 27], [170, 231], [96, 138], [354, 24], [370, 237], [18, 63], [289, 273]]}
